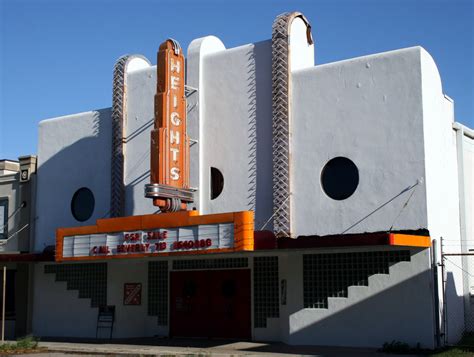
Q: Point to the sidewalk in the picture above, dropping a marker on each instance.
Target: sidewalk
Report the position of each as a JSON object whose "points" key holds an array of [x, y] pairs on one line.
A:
{"points": [[190, 347]]}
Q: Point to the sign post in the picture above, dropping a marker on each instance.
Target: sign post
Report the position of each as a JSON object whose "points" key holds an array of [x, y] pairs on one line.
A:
{"points": [[3, 302]]}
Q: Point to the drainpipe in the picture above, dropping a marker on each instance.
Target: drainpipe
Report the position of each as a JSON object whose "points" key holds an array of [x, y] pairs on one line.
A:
{"points": [[436, 311]]}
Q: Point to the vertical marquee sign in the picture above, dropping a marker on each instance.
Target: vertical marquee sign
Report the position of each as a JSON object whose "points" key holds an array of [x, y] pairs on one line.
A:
{"points": [[169, 186]]}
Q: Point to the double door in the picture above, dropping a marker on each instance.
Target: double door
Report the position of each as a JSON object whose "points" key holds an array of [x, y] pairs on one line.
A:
{"points": [[210, 304]]}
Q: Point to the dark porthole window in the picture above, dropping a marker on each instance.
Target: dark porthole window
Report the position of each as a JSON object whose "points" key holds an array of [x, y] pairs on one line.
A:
{"points": [[340, 178], [217, 183], [82, 204]]}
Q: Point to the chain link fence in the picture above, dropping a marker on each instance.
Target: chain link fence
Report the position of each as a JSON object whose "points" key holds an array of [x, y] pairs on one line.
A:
{"points": [[458, 296]]}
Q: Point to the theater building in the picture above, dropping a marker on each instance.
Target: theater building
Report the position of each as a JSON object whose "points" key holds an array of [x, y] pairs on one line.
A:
{"points": [[250, 193]]}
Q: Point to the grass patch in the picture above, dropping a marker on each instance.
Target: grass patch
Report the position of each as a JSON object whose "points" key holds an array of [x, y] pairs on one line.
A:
{"points": [[465, 347], [22, 345], [454, 352], [467, 340], [402, 348]]}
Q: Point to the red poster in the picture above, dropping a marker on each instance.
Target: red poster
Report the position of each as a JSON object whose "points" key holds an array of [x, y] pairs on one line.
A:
{"points": [[132, 294]]}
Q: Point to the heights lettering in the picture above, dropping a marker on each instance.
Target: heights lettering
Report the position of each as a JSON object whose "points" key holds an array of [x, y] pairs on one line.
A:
{"points": [[169, 141], [175, 120]]}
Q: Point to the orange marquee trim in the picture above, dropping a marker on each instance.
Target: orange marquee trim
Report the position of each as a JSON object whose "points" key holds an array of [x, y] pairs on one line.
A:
{"points": [[243, 231], [356, 239], [407, 240]]}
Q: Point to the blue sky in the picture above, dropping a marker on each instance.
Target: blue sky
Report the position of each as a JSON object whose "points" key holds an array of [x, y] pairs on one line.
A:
{"points": [[56, 57]]}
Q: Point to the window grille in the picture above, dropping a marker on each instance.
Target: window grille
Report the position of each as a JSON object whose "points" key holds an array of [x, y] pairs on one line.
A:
{"points": [[202, 264], [330, 275], [89, 279], [158, 291], [266, 297]]}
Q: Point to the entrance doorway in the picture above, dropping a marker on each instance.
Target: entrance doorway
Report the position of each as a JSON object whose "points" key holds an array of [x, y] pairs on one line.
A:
{"points": [[210, 304]]}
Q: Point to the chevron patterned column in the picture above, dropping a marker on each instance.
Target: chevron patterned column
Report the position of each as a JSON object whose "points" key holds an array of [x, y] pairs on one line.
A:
{"points": [[117, 189], [281, 95]]}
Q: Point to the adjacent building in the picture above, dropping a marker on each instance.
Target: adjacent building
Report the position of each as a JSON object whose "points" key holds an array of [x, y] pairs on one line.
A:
{"points": [[17, 201]]}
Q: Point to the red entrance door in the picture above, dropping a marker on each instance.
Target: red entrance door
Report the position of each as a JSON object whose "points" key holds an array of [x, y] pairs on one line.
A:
{"points": [[210, 304]]}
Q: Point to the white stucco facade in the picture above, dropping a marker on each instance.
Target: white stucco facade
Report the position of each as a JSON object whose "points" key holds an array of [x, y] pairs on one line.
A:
{"points": [[387, 297], [73, 152], [349, 108], [361, 109]]}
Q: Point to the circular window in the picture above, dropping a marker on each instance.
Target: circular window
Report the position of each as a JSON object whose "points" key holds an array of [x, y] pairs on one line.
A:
{"points": [[82, 204], [217, 183], [340, 178]]}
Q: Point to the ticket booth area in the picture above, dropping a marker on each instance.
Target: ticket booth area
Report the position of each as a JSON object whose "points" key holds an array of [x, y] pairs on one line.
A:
{"points": [[210, 304]]}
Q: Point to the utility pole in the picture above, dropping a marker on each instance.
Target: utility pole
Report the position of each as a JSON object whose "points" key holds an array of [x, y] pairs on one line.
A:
{"points": [[3, 302]]}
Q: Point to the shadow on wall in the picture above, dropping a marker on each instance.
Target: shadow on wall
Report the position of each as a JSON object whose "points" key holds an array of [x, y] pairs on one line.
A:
{"points": [[137, 169], [454, 309], [261, 122], [83, 162], [403, 312]]}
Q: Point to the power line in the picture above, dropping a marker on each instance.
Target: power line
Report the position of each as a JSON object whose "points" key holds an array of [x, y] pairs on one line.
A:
{"points": [[23, 204], [405, 205], [457, 266], [276, 211], [419, 181], [4, 241]]}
